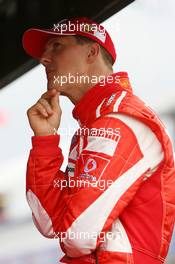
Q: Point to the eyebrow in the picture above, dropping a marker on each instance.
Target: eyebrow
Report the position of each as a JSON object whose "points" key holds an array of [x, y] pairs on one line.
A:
{"points": [[48, 43], [51, 40]]}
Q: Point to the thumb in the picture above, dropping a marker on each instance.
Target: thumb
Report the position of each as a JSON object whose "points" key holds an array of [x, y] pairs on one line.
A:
{"points": [[55, 101]]}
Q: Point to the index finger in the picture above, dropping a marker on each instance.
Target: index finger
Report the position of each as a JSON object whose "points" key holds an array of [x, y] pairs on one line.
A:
{"points": [[49, 94]]}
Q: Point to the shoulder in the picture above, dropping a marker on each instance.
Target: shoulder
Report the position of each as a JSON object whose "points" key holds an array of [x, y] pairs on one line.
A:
{"points": [[131, 132]]}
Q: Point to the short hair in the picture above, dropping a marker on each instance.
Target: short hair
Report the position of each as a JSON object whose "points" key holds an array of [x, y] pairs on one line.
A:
{"points": [[105, 54]]}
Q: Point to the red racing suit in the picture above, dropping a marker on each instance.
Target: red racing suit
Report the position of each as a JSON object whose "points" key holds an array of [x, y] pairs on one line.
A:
{"points": [[115, 203]]}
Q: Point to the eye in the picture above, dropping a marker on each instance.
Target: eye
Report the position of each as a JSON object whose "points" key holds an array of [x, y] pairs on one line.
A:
{"points": [[56, 45]]}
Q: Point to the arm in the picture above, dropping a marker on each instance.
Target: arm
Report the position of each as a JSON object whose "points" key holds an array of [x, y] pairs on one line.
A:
{"points": [[43, 169]]}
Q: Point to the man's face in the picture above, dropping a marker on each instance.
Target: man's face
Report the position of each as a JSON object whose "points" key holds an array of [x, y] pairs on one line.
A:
{"points": [[63, 56]]}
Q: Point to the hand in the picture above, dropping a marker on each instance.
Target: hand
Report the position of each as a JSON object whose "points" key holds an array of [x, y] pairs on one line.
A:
{"points": [[45, 115]]}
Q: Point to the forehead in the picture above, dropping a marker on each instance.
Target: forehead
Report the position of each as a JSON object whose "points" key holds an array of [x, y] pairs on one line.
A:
{"points": [[61, 39]]}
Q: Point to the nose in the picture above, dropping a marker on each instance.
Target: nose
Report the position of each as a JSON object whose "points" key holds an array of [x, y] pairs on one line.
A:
{"points": [[45, 59]]}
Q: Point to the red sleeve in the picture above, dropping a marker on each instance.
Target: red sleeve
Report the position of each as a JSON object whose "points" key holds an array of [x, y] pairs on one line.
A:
{"points": [[43, 168]]}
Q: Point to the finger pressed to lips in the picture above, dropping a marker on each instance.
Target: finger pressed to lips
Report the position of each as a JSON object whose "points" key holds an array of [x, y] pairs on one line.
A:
{"points": [[49, 94]]}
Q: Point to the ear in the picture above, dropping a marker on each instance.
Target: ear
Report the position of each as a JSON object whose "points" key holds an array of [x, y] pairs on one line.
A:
{"points": [[93, 52]]}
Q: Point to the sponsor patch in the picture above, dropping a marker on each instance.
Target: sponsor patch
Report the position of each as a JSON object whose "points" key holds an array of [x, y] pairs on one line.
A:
{"points": [[91, 167]]}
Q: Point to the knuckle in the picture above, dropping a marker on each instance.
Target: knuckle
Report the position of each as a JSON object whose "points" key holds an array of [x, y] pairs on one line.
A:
{"points": [[40, 106], [40, 100], [43, 102], [30, 110]]}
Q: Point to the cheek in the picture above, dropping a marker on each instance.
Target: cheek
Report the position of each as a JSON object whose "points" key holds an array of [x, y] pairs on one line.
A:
{"points": [[76, 61], [70, 61]]}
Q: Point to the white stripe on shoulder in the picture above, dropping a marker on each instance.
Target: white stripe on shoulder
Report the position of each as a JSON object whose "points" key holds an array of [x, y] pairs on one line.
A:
{"points": [[118, 102], [146, 138], [99, 108]]}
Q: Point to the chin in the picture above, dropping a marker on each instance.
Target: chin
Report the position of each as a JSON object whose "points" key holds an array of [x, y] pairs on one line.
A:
{"points": [[63, 94]]}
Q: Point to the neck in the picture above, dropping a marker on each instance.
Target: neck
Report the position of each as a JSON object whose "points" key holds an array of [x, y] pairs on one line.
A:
{"points": [[78, 92]]}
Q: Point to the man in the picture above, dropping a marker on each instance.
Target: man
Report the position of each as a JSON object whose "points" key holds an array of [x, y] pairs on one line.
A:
{"points": [[115, 203]]}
